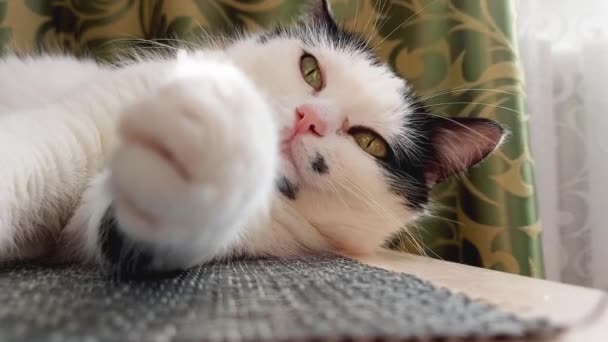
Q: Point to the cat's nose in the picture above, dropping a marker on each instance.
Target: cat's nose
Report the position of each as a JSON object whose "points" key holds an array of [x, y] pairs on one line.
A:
{"points": [[309, 121]]}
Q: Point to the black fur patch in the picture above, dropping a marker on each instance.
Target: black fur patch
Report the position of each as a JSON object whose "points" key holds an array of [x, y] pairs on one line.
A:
{"points": [[318, 164], [287, 188], [406, 169], [124, 257]]}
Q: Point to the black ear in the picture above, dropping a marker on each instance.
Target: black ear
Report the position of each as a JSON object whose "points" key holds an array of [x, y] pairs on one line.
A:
{"points": [[458, 144], [320, 11]]}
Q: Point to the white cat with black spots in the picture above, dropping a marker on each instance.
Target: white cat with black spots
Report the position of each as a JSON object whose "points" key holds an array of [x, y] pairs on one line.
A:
{"points": [[290, 141]]}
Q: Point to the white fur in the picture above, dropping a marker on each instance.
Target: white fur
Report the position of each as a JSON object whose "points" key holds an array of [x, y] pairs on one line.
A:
{"points": [[186, 148]]}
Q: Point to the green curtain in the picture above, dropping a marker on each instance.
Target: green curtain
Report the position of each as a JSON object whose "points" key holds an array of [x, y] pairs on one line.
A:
{"points": [[460, 55]]}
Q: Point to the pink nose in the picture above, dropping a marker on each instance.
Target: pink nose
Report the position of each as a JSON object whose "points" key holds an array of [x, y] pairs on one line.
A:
{"points": [[309, 121]]}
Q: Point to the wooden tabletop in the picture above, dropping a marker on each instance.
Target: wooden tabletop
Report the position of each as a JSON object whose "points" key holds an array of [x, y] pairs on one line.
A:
{"points": [[586, 310]]}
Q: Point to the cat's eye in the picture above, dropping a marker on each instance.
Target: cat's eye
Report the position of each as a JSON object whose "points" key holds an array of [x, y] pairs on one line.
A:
{"points": [[311, 72], [370, 142]]}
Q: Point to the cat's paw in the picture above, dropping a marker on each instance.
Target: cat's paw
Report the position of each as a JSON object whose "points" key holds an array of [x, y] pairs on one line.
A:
{"points": [[197, 159]]}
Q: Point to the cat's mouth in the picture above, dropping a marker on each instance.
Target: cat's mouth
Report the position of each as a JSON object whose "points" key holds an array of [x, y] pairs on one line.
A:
{"points": [[287, 138], [288, 155]]}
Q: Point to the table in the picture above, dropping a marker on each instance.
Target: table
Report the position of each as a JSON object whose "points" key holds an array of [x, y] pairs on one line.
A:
{"points": [[527, 297]]}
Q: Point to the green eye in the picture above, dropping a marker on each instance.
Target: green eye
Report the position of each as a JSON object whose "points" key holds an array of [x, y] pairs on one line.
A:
{"points": [[370, 142], [309, 67]]}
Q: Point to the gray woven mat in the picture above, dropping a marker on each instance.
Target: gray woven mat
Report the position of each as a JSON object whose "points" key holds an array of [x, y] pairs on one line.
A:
{"points": [[264, 299]]}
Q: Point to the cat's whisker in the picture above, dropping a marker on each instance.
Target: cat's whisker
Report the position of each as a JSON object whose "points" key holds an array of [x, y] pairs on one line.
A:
{"points": [[414, 225], [460, 88], [184, 42], [208, 39], [461, 125], [443, 219], [465, 102], [406, 234], [356, 15], [369, 20], [144, 48], [374, 27], [146, 41], [383, 22], [424, 99], [367, 197], [355, 191], [435, 206], [363, 195], [329, 183], [408, 20]]}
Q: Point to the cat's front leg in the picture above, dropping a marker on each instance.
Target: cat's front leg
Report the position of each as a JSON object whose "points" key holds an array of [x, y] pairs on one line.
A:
{"points": [[196, 162]]}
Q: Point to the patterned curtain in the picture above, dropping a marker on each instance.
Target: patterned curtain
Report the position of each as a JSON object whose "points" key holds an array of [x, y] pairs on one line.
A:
{"points": [[459, 55]]}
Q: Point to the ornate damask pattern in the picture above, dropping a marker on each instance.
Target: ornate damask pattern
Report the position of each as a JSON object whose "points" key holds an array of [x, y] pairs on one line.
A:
{"points": [[458, 54]]}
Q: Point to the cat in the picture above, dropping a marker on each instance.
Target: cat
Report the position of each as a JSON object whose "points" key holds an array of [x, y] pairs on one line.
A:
{"points": [[294, 140]]}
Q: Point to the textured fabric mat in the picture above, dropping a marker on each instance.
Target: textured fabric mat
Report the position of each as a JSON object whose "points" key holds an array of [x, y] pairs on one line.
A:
{"points": [[288, 299]]}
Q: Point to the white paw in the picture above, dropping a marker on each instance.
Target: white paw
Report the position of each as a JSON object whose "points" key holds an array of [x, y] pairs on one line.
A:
{"points": [[196, 159]]}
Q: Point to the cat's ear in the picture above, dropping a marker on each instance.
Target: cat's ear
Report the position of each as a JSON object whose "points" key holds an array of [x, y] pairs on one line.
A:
{"points": [[319, 10], [460, 143]]}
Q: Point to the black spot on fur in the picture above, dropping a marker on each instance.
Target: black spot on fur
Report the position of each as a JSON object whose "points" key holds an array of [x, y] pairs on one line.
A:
{"points": [[287, 188], [318, 164], [124, 257]]}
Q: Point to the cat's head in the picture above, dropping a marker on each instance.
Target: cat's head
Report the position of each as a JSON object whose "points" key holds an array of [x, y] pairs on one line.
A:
{"points": [[359, 152]]}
